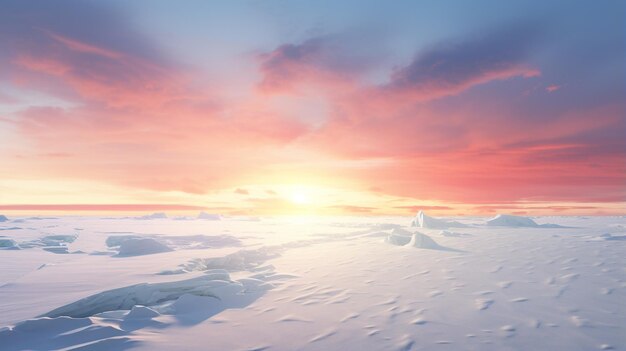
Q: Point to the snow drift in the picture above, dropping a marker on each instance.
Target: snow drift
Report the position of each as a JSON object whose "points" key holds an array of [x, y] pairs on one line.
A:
{"points": [[3, 218], [110, 319], [145, 294], [423, 221]]}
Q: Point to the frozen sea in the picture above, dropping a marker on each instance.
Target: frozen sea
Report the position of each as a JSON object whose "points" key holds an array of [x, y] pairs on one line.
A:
{"points": [[312, 283]]}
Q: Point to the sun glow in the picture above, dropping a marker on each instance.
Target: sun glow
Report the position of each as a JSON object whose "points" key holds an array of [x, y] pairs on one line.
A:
{"points": [[299, 197]]}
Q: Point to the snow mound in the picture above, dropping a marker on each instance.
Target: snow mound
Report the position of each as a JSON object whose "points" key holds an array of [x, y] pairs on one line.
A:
{"points": [[398, 237], [422, 241], [165, 298], [401, 237], [156, 215], [3, 218], [424, 221], [505, 220], [209, 216], [141, 246]]}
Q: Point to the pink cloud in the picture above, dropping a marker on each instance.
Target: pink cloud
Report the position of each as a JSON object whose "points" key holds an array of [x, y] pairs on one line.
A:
{"points": [[100, 207], [552, 88], [8, 99], [148, 124], [194, 152], [116, 81], [414, 209], [354, 209], [78, 46], [429, 90]]}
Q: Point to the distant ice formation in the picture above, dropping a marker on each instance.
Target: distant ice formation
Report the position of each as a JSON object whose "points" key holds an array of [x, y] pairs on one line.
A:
{"points": [[3, 218], [505, 220], [209, 216], [423, 221], [156, 215]]}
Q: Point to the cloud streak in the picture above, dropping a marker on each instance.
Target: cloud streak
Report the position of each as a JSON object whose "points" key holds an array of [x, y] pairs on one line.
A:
{"points": [[452, 67]]}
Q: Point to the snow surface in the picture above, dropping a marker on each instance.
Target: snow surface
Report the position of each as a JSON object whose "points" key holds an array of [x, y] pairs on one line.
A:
{"points": [[327, 283]]}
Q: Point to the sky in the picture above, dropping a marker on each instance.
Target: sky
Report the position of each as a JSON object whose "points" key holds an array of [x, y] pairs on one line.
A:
{"points": [[313, 107]]}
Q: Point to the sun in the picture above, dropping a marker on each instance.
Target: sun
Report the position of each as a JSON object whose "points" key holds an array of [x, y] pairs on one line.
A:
{"points": [[299, 198]]}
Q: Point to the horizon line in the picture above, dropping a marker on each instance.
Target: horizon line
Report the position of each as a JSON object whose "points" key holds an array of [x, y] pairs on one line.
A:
{"points": [[142, 207]]}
